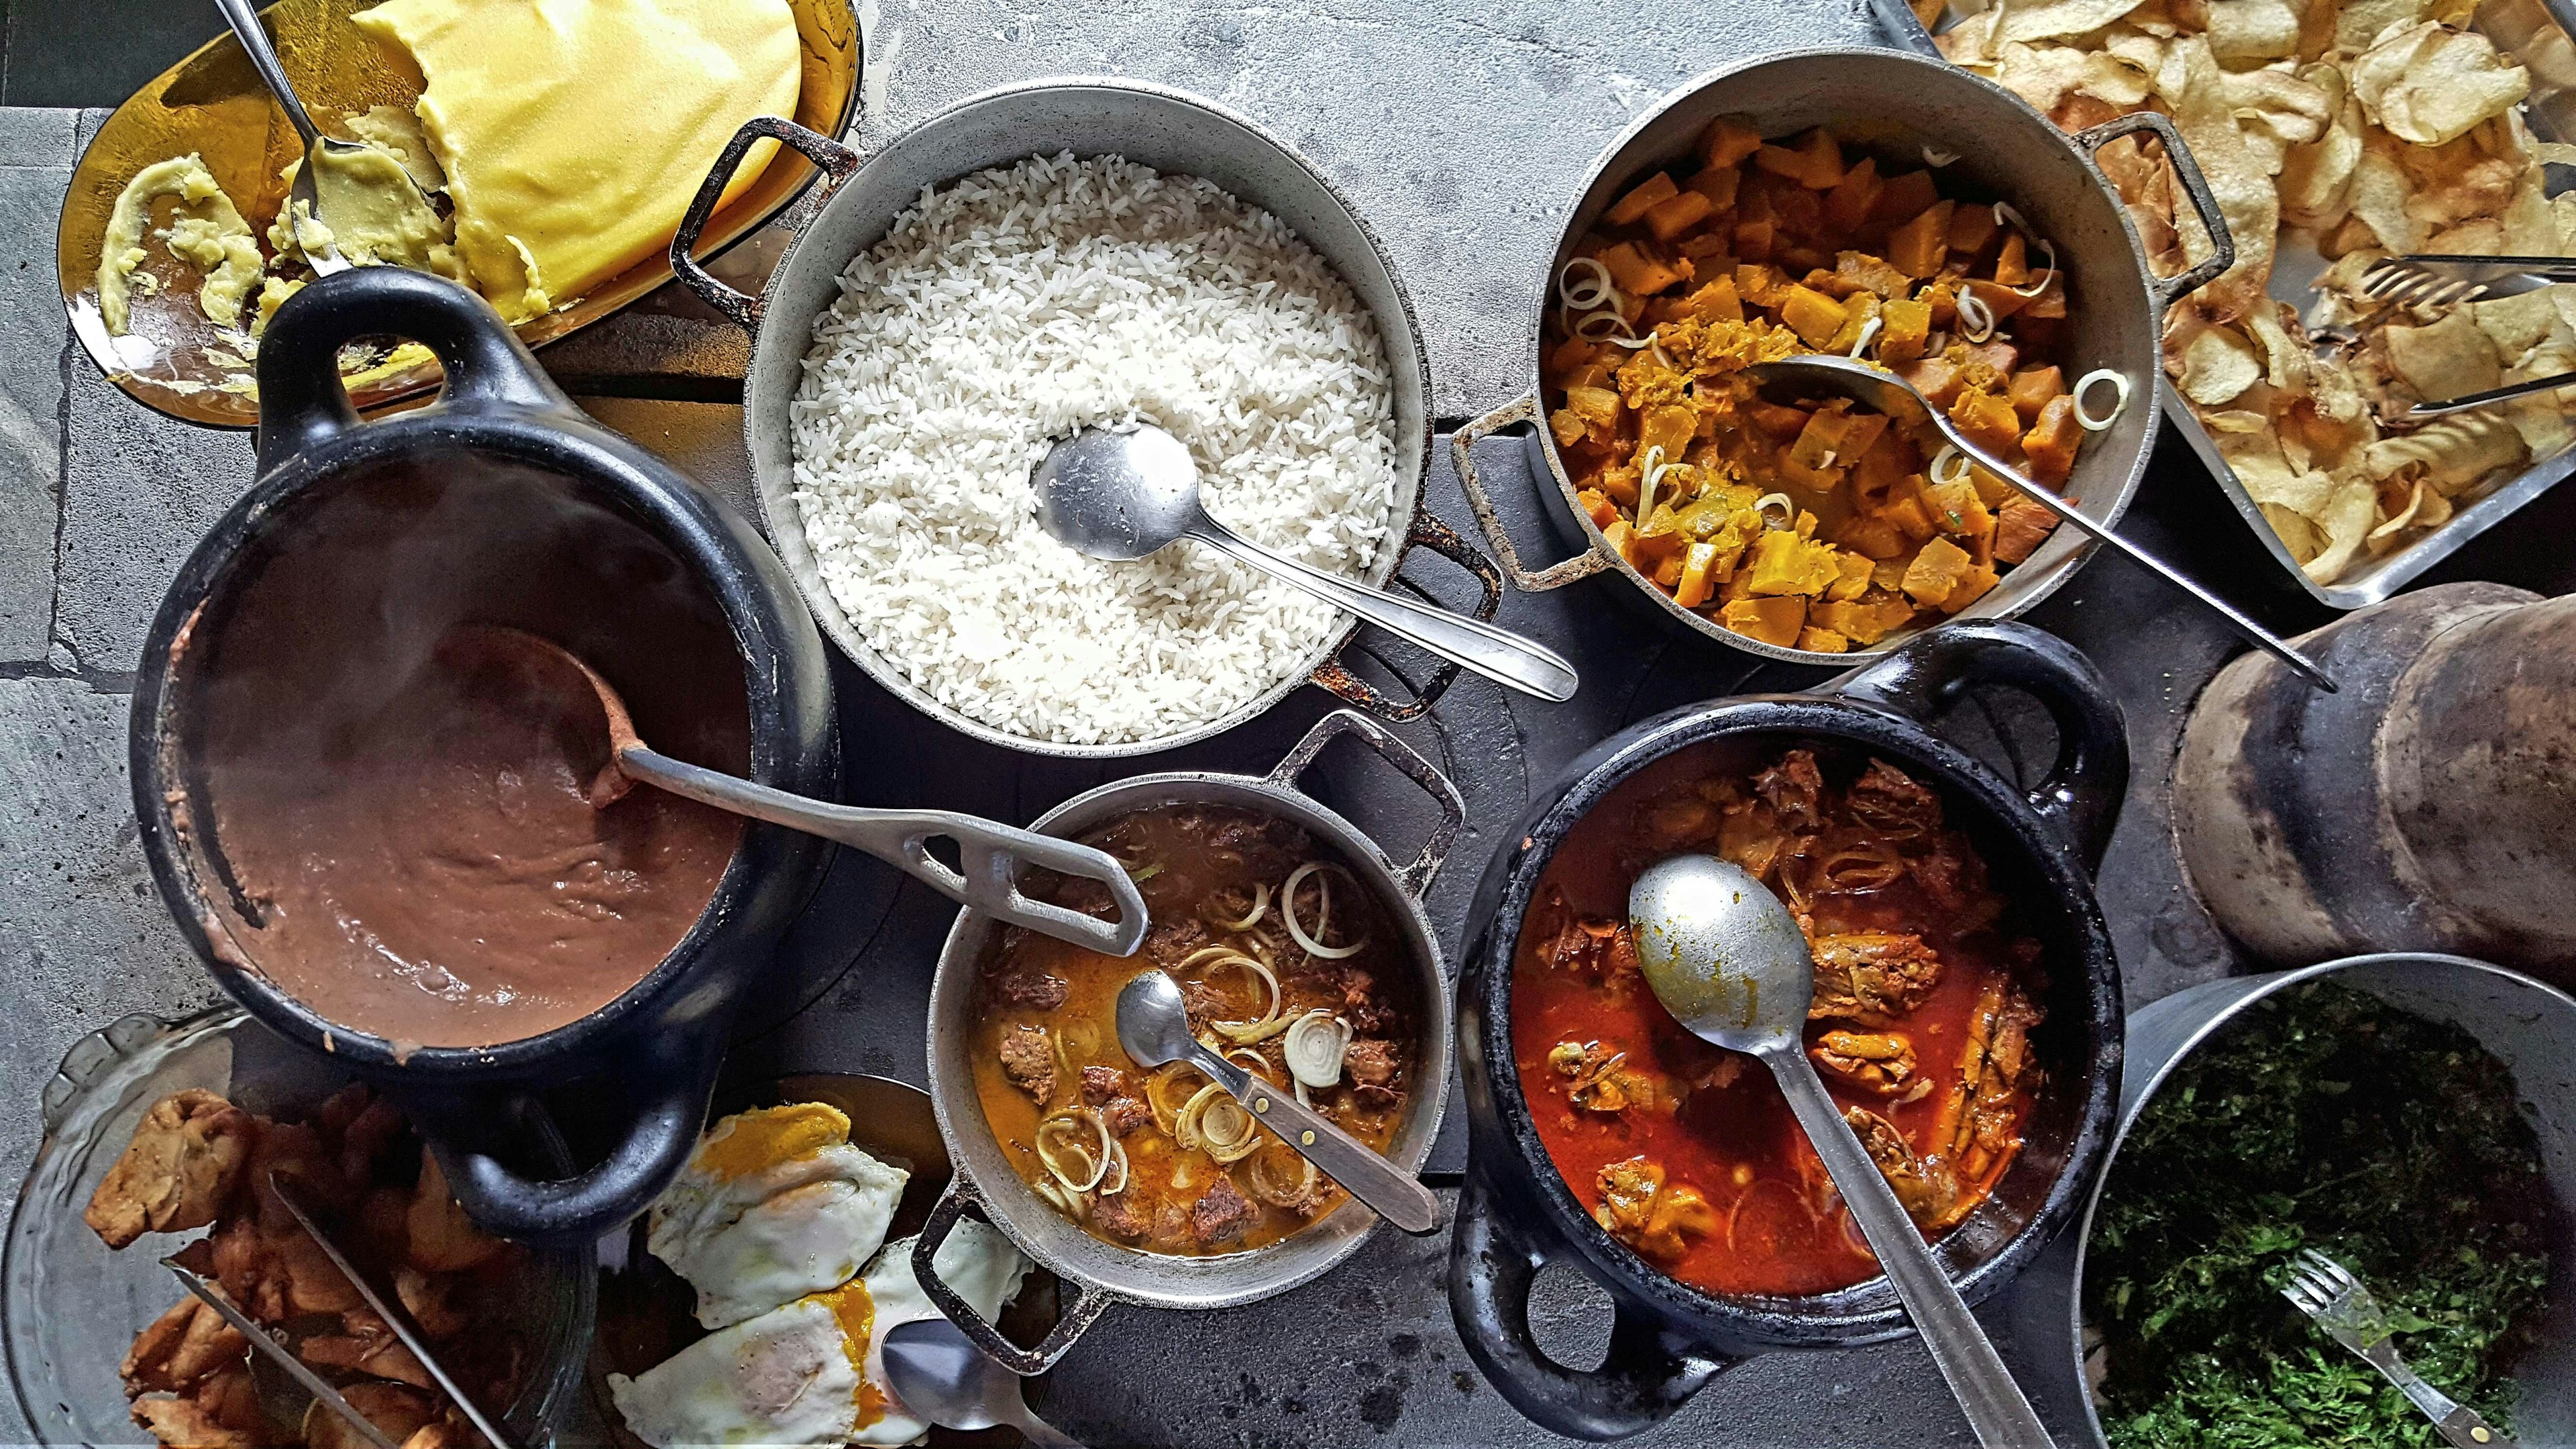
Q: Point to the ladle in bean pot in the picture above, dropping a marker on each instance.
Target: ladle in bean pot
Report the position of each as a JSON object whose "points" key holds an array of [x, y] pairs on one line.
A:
{"points": [[1121, 494], [991, 854], [1154, 1027], [1886, 393], [1727, 959]]}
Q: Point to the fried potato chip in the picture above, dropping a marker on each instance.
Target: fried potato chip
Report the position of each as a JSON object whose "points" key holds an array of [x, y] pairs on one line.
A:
{"points": [[2429, 84], [2052, 19], [2449, 453], [2191, 83], [2516, 325], [2217, 366], [2448, 358], [2276, 110], [2316, 179], [2379, 192], [2362, 21], [2244, 32], [2345, 520], [2045, 75], [2297, 535]]}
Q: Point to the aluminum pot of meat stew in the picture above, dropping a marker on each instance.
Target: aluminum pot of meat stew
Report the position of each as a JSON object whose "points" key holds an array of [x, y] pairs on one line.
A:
{"points": [[1096, 1273], [1168, 130], [1515, 1212], [1897, 107]]}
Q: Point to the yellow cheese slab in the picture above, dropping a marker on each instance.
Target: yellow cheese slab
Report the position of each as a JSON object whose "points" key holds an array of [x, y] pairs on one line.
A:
{"points": [[574, 132]]}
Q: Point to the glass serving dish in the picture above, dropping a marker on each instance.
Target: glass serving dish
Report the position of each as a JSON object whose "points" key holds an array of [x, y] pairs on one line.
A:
{"points": [[70, 1307]]}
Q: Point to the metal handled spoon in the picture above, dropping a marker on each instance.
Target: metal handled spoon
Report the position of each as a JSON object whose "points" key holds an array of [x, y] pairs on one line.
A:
{"points": [[303, 203], [1882, 392], [1729, 962], [1123, 495], [1154, 1027], [939, 1374], [992, 854]]}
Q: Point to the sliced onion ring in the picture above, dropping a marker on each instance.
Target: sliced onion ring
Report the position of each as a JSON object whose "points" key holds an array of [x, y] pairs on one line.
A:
{"points": [[2046, 276], [1948, 455], [1050, 1142], [1976, 319], [2119, 383], [1601, 291], [1260, 908], [1788, 509], [1934, 156], [1647, 478], [1868, 331], [1313, 945]]}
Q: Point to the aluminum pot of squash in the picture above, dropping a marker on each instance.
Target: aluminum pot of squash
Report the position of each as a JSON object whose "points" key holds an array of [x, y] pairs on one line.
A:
{"points": [[1065, 254], [2410, 1117], [1865, 203], [1967, 1020], [1305, 957]]}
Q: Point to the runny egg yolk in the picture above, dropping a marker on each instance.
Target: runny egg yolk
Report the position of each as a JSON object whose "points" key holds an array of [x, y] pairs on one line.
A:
{"points": [[773, 1135], [857, 1313]]}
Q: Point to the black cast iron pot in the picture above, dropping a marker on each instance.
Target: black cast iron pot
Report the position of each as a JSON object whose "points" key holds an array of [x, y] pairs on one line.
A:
{"points": [[1515, 1213], [660, 1041]]}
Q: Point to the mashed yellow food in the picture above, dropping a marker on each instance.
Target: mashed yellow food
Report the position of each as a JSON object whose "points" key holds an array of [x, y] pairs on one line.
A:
{"points": [[207, 233], [573, 132]]}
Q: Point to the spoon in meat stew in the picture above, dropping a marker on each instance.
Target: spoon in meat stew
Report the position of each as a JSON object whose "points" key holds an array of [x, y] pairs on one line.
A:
{"points": [[1154, 1028], [992, 854], [1726, 958]]}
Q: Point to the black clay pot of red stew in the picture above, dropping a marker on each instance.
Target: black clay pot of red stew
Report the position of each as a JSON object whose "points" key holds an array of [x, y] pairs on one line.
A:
{"points": [[296, 666], [1766, 1232]]}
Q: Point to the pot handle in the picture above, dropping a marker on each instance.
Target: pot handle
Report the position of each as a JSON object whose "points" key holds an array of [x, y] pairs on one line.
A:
{"points": [[1429, 532], [302, 400], [1088, 1301], [1645, 1376], [2081, 793], [1462, 445], [837, 162], [1416, 877], [2169, 290], [670, 1077]]}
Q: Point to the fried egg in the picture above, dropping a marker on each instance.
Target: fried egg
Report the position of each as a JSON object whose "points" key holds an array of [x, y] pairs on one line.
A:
{"points": [[775, 1204], [813, 1372]]}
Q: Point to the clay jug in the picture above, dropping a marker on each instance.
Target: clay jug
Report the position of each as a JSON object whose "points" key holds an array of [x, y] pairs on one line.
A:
{"points": [[2428, 805]]}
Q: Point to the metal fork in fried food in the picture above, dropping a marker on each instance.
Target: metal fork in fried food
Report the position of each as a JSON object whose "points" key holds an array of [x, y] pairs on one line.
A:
{"points": [[2327, 1291], [2404, 282]]}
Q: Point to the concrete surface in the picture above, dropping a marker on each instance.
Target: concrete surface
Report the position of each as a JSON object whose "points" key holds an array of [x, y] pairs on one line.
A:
{"points": [[1460, 130]]}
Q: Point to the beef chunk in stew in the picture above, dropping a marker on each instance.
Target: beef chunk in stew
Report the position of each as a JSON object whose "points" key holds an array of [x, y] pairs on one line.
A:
{"points": [[1028, 1059], [1028, 990], [1120, 1216], [1221, 1214]]}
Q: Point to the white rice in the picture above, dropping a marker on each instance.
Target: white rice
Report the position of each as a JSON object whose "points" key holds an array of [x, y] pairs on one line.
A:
{"points": [[1023, 303]]}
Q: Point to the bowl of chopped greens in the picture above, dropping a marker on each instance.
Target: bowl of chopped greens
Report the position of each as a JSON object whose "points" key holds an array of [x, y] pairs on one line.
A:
{"points": [[2414, 1117]]}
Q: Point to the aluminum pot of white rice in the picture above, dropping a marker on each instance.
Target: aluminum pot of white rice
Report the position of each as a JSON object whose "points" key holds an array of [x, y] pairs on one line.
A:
{"points": [[1059, 255]]}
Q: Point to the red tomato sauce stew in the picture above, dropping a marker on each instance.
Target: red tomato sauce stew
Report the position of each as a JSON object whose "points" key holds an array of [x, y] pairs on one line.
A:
{"points": [[1925, 997]]}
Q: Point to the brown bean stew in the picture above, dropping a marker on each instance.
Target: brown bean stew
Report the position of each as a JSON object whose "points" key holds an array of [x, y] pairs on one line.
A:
{"points": [[1291, 969], [1925, 996]]}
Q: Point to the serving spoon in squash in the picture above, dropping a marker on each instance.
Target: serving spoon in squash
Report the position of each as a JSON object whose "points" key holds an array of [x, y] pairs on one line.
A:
{"points": [[1727, 959]]}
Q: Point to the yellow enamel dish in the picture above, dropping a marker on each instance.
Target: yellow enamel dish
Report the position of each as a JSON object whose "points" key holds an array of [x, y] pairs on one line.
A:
{"points": [[212, 105]]}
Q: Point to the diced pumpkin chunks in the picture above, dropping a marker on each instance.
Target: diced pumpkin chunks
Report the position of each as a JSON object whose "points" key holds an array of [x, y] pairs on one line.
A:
{"points": [[1775, 620], [1667, 426], [1620, 482], [1883, 463], [1998, 358], [1861, 269], [1670, 218], [2051, 443], [1936, 572], [2001, 301], [1864, 623], [2012, 263], [1855, 580], [1778, 419], [1991, 490], [1668, 569], [1627, 210], [1784, 563], [2049, 305], [1595, 373], [1861, 432], [1641, 274], [1760, 286], [1819, 440], [1755, 239], [1567, 426], [1569, 355], [1597, 506], [1971, 228], [1937, 378], [1728, 140], [1848, 204], [1822, 641], [1716, 302], [1959, 512], [1910, 517], [2021, 526], [1619, 537], [1695, 584], [1943, 299], [1906, 194], [1811, 314], [1903, 328], [1718, 184], [2032, 387], [1872, 536], [1889, 574], [1972, 586], [1989, 421], [1716, 244], [1859, 310], [1598, 407], [1918, 247], [1815, 163], [1781, 161]]}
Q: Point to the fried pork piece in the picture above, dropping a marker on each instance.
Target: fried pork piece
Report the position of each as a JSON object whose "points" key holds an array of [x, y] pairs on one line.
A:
{"points": [[441, 1238], [1872, 977], [365, 1344], [1792, 788], [1653, 1216], [220, 1413], [273, 1273], [1926, 1186], [180, 1348], [1878, 1062], [1893, 804], [398, 1410], [1028, 1059], [184, 1161]]}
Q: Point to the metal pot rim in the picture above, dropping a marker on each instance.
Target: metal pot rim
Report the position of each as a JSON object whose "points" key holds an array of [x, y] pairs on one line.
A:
{"points": [[1864, 1312], [785, 525], [1556, 488]]}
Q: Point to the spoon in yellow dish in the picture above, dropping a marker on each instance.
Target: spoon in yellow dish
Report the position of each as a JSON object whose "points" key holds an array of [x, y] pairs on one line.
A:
{"points": [[1729, 962], [992, 854]]}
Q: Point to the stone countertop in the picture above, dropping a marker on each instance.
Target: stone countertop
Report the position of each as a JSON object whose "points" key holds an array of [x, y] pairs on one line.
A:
{"points": [[1460, 131]]}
